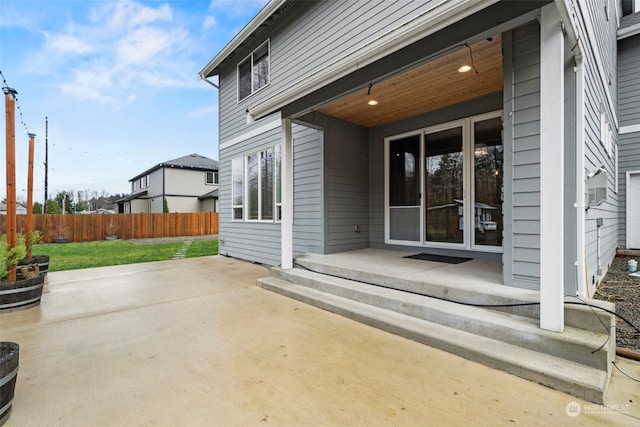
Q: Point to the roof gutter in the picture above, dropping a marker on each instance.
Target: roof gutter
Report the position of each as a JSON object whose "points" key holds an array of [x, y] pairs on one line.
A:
{"points": [[251, 27]]}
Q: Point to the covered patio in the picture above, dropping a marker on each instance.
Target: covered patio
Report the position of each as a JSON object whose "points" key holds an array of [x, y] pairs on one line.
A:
{"points": [[195, 342]]}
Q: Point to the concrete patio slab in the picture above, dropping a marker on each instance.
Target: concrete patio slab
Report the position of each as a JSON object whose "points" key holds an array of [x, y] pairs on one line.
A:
{"points": [[194, 342]]}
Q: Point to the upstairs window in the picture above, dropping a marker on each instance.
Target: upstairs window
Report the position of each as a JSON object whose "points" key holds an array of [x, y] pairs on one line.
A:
{"points": [[211, 178], [253, 72]]}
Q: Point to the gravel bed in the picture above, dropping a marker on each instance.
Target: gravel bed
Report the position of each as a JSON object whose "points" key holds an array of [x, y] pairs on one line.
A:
{"points": [[624, 291]]}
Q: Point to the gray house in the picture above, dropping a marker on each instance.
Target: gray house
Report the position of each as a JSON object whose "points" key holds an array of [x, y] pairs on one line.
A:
{"points": [[188, 184], [629, 141], [353, 131]]}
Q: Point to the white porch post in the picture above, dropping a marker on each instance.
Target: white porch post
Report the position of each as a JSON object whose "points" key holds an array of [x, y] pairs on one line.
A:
{"points": [[287, 195], [551, 170]]}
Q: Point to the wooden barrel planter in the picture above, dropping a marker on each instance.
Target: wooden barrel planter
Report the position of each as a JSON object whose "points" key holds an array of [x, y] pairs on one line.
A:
{"points": [[22, 293], [41, 260], [9, 355]]}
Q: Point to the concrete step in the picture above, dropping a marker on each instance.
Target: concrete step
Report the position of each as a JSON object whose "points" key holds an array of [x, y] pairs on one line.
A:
{"points": [[579, 316], [575, 344], [504, 341]]}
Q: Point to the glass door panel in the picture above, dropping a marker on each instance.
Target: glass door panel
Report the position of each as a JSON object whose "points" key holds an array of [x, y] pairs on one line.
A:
{"points": [[404, 188], [444, 186], [488, 175]]}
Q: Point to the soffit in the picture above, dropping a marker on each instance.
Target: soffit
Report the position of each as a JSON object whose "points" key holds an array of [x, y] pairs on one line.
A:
{"points": [[427, 87]]}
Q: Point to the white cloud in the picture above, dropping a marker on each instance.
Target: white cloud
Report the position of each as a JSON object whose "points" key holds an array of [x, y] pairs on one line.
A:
{"points": [[66, 43], [145, 44], [120, 51], [127, 14], [209, 22]]}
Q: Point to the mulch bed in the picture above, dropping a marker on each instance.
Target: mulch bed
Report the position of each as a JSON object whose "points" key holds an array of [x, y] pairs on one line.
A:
{"points": [[623, 290]]}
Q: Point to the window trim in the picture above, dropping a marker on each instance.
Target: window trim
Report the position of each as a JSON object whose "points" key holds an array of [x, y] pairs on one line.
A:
{"points": [[214, 178], [276, 205], [242, 160], [251, 59]]}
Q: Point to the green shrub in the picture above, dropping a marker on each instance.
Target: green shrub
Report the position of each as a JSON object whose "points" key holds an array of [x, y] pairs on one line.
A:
{"points": [[9, 257]]}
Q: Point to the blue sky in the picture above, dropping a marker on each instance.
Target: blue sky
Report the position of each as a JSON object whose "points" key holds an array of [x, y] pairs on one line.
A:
{"points": [[117, 80]]}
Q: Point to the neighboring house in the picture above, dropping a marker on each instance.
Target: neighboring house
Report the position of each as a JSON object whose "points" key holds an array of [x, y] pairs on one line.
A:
{"points": [[188, 184], [629, 141], [20, 209], [347, 125]]}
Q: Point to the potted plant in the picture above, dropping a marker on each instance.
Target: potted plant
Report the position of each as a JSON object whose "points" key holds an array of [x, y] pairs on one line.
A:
{"points": [[111, 229], [41, 260], [9, 355], [26, 290], [60, 234]]}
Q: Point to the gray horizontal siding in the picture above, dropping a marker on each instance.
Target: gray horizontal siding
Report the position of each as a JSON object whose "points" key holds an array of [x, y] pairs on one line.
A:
{"points": [[604, 37], [347, 186], [525, 186], [253, 241], [319, 32], [629, 114], [596, 92], [307, 190]]}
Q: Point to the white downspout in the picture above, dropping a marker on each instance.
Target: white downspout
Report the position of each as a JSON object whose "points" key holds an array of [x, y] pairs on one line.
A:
{"points": [[569, 19]]}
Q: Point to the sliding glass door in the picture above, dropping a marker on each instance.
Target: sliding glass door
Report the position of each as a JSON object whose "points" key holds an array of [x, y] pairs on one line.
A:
{"points": [[444, 198], [404, 188], [444, 185]]}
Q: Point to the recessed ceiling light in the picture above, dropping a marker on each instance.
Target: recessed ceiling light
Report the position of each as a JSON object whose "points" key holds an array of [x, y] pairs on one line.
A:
{"points": [[464, 68], [372, 102]]}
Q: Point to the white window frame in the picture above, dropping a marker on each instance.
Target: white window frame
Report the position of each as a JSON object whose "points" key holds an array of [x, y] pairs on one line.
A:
{"points": [[251, 60], [214, 178], [277, 205], [246, 186], [468, 184], [240, 206]]}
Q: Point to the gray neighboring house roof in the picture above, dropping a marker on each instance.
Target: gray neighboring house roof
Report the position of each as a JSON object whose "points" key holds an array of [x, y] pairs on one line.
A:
{"points": [[192, 161], [629, 25], [210, 195]]}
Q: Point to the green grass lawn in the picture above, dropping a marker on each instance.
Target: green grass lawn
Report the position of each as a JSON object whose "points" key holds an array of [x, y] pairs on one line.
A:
{"points": [[71, 256]]}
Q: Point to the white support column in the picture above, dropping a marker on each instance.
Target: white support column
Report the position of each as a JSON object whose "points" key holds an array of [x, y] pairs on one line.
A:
{"points": [[287, 195], [551, 170]]}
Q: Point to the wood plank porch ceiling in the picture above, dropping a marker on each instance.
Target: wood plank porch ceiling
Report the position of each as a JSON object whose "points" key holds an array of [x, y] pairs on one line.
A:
{"points": [[428, 87]]}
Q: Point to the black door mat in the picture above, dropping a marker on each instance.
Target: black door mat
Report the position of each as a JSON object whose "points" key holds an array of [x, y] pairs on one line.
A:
{"points": [[439, 258]]}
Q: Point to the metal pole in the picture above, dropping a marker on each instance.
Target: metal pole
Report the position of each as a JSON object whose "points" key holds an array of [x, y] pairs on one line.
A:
{"points": [[9, 107], [46, 164], [30, 195]]}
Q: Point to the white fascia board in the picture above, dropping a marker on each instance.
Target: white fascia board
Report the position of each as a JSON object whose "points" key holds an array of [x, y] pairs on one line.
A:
{"points": [[252, 26], [629, 129], [272, 123], [443, 14], [629, 31]]}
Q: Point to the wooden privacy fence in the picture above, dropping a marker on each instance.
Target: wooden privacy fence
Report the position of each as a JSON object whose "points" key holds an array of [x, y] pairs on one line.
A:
{"points": [[91, 227]]}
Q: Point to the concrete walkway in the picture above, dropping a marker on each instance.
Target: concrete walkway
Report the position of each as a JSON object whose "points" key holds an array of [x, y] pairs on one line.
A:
{"points": [[194, 342]]}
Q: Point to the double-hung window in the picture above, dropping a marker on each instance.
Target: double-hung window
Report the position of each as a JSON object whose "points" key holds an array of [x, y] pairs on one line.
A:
{"points": [[253, 72], [256, 192]]}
